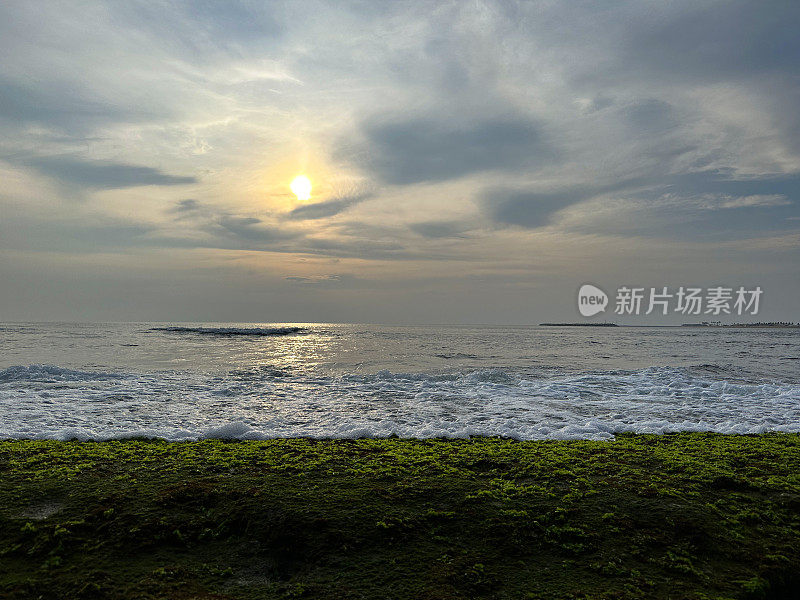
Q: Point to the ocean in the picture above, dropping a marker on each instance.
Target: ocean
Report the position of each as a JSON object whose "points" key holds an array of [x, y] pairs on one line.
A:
{"points": [[182, 381]]}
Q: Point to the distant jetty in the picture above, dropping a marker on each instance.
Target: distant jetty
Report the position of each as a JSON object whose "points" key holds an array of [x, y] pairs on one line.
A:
{"points": [[578, 325]]}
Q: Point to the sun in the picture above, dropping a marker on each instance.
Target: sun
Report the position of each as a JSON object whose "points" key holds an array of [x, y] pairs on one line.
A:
{"points": [[301, 187]]}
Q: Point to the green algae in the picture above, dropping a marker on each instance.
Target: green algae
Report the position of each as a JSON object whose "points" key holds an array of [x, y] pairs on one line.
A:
{"points": [[675, 516]]}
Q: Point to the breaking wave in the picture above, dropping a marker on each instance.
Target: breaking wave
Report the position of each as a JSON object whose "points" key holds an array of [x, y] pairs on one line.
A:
{"points": [[232, 331], [51, 374], [45, 401]]}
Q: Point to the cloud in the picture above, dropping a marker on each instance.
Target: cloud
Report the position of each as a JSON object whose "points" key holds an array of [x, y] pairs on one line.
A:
{"points": [[719, 41], [72, 235], [102, 174], [328, 208], [439, 229], [532, 209], [679, 215], [200, 27], [187, 205], [324, 280], [527, 209], [650, 117], [57, 104], [250, 229], [417, 150], [488, 133], [691, 205], [756, 200], [594, 104]]}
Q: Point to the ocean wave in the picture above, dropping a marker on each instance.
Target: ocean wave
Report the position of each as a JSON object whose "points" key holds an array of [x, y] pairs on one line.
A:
{"points": [[268, 402], [232, 331], [51, 374], [598, 430], [476, 377]]}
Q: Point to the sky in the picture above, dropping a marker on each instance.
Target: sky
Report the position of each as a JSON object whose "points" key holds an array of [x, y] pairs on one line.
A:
{"points": [[471, 162]]}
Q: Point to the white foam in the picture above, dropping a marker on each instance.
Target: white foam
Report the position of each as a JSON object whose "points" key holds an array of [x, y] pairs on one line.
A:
{"points": [[45, 401]]}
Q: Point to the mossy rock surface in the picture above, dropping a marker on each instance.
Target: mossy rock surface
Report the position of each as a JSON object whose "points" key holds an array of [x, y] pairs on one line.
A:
{"points": [[690, 515]]}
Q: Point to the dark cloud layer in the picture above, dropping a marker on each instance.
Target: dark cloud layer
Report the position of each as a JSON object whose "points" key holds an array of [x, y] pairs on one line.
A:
{"points": [[531, 208], [527, 209], [699, 193], [328, 208], [720, 40], [187, 205], [250, 229], [102, 174], [417, 150], [439, 229], [60, 106]]}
